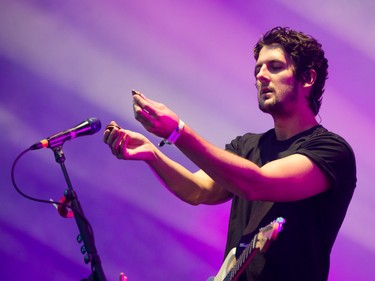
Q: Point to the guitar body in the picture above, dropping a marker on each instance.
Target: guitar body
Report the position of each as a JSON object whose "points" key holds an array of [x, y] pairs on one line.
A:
{"points": [[232, 268], [229, 262]]}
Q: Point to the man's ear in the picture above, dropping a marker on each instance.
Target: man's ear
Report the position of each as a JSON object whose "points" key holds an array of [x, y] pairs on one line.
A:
{"points": [[309, 78]]}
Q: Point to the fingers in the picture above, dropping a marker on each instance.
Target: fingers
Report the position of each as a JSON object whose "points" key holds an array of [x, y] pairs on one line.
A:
{"points": [[146, 105], [144, 111], [116, 139], [118, 144], [144, 120], [151, 107], [141, 104], [109, 129]]}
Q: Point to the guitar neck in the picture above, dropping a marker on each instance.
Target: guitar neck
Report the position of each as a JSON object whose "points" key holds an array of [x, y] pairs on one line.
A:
{"points": [[243, 260]]}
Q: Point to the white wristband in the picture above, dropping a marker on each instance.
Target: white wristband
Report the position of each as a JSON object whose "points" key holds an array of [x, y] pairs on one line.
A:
{"points": [[174, 135]]}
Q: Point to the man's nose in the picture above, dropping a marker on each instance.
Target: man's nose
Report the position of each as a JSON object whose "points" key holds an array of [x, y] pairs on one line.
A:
{"points": [[263, 74]]}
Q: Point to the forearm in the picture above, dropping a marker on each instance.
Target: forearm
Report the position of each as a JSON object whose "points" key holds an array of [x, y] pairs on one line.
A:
{"points": [[237, 175], [193, 188]]}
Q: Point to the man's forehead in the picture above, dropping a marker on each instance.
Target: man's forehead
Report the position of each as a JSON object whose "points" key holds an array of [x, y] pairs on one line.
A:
{"points": [[274, 52]]}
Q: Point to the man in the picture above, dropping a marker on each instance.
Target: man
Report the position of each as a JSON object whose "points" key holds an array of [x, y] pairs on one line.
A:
{"points": [[297, 170]]}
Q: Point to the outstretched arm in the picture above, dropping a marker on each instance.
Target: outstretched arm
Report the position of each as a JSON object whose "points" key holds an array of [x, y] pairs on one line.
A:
{"points": [[291, 178], [194, 188]]}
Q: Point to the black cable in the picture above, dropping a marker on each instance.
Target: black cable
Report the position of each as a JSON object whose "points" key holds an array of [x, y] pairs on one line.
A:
{"points": [[42, 200]]}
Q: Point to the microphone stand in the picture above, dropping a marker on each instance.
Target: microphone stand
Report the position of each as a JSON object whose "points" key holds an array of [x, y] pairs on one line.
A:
{"points": [[86, 235]]}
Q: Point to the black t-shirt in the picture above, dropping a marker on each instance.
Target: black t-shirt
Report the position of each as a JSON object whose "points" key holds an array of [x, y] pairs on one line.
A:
{"points": [[301, 251]]}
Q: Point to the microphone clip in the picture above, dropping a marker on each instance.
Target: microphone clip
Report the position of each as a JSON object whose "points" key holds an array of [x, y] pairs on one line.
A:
{"points": [[64, 208]]}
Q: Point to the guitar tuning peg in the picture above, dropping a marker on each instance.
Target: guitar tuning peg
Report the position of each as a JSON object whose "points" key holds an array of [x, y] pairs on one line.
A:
{"points": [[123, 277]]}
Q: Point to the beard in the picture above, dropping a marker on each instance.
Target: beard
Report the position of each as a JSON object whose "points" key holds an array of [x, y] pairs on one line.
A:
{"points": [[276, 105]]}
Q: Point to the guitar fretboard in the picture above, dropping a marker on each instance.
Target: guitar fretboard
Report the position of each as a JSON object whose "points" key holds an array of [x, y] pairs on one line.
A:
{"points": [[241, 260]]}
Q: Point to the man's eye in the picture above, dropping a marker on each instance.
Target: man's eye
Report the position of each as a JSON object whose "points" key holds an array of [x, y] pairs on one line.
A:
{"points": [[276, 67]]}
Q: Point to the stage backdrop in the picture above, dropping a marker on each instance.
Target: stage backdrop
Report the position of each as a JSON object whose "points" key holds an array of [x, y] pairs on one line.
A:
{"points": [[62, 62]]}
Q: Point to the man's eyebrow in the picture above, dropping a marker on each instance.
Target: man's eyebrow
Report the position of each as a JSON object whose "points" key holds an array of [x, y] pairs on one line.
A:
{"points": [[270, 61]]}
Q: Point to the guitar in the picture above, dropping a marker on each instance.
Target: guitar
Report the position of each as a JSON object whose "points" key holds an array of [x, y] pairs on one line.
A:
{"points": [[122, 277], [231, 268]]}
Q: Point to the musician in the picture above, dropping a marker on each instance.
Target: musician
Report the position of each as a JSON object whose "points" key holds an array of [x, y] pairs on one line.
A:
{"points": [[297, 170]]}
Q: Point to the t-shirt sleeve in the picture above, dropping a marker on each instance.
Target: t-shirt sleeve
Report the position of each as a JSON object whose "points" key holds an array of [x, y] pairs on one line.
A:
{"points": [[233, 145], [334, 157], [243, 145]]}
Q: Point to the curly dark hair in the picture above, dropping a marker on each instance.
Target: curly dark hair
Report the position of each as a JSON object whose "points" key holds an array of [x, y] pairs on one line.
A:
{"points": [[306, 53]]}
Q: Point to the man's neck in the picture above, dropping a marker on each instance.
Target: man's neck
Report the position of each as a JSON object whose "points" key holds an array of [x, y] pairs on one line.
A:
{"points": [[290, 126]]}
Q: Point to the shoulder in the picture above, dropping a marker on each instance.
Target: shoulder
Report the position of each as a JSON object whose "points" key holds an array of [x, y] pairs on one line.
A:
{"points": [[328, 142], [331, 152], [243, 144]]}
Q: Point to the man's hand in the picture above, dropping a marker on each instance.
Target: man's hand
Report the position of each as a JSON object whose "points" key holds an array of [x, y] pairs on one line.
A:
{"points": [[155, 117], [128, 145]]}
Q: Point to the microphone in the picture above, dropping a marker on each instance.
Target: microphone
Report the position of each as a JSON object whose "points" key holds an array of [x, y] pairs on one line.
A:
{"points": [[88, 127]]}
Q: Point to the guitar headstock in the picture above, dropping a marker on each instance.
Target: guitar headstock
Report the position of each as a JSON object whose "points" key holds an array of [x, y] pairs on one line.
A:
{"points": [[268, 233]]}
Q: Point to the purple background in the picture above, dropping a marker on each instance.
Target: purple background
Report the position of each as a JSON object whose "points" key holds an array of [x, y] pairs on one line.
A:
{"points": [[62, 62]]}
